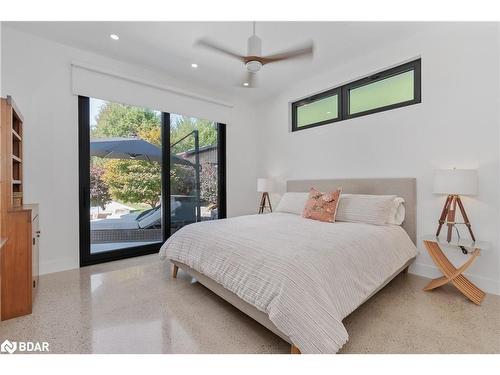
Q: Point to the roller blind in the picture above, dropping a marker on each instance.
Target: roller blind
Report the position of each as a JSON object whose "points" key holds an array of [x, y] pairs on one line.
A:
{"points": [[100, 83]]}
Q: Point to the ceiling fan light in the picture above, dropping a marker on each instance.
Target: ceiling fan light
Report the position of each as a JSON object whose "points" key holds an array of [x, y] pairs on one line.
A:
{"points": [[246, 84], [194, 65], [114, 36], [253, 66]]}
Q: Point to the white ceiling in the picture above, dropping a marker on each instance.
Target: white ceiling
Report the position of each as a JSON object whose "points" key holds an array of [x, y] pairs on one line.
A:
{"points": [[168, 47]]}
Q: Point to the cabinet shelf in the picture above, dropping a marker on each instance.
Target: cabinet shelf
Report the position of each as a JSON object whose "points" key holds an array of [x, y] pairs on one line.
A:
{"points": [[19, 255], [16, 135]]}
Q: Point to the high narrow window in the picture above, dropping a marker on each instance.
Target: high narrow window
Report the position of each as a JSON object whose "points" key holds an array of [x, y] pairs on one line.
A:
{"points": [[390, 89], [317, 110]]}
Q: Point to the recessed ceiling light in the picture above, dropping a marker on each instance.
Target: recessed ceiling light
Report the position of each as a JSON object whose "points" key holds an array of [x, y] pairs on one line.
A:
{"points": [[114, 36], [245, 84], [194, 65]]}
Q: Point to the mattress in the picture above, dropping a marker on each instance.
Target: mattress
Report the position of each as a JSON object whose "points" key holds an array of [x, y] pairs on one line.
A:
{"points": [[305, 275]]}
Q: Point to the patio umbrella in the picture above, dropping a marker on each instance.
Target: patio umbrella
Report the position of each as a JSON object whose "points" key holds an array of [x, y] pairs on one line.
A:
{"points": [[130, 148]]}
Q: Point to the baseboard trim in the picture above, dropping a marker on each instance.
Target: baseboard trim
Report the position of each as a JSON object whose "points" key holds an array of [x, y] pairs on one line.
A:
{"points": [[58, 265], [488, 285]]}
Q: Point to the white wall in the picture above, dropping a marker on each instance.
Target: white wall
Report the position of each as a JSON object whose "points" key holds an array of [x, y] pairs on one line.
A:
{"points": [[37, 73], [460, 96], [456, 125]]}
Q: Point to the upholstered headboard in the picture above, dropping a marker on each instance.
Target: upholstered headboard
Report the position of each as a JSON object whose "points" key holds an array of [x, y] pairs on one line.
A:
{"points": [[405, 188]]}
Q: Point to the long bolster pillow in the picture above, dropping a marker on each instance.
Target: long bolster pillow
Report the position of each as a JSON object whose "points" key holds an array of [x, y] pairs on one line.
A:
{"points": [[356, 208]]}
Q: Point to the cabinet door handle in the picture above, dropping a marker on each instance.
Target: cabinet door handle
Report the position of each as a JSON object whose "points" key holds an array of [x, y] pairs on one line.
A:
{"points": [[34, 240]]}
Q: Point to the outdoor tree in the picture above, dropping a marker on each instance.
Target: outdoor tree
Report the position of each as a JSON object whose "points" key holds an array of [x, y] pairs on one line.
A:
{"points": [[119, 120], [130, 181], [99, 191], [182, 125], [152, 135], [134, 181], [182, 177], [208, 182]]}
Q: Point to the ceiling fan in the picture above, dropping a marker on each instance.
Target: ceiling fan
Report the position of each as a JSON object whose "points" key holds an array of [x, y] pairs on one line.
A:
{"points": [[254, 61]]}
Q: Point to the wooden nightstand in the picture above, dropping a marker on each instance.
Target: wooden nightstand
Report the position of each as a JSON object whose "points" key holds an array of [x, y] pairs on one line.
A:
{"points": [[454, 275]]}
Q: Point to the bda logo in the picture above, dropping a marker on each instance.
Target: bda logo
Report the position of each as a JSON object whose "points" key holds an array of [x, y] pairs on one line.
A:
{"points": [[24, 346], [8, 347]]}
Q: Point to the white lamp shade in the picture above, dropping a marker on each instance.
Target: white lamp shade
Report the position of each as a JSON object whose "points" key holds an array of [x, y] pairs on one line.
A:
{"points": [[455, 181], [264, 185]]}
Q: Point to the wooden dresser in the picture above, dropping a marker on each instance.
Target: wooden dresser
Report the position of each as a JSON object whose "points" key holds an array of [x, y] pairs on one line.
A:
{"points": [[19, 233]]}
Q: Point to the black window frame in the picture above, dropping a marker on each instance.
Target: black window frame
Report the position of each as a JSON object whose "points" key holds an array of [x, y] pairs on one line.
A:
{"points": [[311, 99], [88, 258], [343, 94]]}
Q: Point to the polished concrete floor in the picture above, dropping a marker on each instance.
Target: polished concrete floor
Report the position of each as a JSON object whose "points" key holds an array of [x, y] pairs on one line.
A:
{"points": [[133, 306]]}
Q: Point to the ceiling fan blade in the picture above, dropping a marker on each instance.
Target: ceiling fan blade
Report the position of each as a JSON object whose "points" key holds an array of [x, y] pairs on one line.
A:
{"points": [[301, 51], [215, 47]]}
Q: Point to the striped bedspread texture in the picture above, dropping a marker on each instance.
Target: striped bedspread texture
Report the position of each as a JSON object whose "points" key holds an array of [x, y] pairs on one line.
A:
{"points": [[306, 275]]}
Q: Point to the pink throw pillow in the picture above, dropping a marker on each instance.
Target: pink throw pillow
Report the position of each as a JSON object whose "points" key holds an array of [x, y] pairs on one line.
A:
{"points": [[322, 206]]}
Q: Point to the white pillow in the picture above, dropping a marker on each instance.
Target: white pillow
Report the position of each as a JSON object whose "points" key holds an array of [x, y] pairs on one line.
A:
{"points": [[357, 208], [292, 203], [397, 212], [371, 209]]}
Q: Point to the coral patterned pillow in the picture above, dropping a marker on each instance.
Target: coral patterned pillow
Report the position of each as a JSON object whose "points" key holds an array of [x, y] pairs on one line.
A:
{"points": [[322, 206]]}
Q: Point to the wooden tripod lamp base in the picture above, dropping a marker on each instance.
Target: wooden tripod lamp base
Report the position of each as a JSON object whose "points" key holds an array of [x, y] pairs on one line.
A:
{"points": [[454, 182], [264, 186], [263, 205], [448, 216]]}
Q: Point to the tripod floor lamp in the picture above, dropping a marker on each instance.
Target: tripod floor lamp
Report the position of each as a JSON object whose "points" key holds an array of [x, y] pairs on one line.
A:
{"points": [[264, 186], [454, 183]]}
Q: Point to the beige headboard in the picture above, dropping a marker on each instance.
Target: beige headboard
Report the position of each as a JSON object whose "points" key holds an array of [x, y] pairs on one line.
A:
{"points": [[402, 187]]}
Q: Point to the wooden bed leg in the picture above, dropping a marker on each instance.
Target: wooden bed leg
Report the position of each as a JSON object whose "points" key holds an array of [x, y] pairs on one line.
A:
{"points": [[294, 350], [175, 268]]}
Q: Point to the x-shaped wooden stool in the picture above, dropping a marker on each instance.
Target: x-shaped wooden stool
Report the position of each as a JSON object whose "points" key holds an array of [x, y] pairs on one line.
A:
{"points": [[452, 274]]}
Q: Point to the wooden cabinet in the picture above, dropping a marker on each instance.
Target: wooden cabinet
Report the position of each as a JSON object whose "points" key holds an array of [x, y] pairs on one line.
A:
{"points": [[19, 233], [35, 233]]}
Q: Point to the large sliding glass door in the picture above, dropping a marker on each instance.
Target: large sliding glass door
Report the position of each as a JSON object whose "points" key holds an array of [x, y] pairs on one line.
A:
{"points": [[143, 175], [194, 171]]}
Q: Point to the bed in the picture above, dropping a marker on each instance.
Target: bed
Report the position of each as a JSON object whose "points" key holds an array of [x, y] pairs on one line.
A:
{"points": [[299, 277]]}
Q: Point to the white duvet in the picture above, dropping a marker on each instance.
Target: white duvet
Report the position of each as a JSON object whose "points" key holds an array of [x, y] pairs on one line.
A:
{"points": [[306, 275]]}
